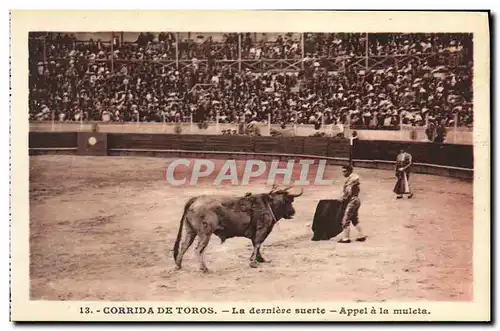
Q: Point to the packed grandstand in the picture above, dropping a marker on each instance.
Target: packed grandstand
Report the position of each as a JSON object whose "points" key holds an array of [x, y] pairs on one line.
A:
{"points": [[366, 80]]}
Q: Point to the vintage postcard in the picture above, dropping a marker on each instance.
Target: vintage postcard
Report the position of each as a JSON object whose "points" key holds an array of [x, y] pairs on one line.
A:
{"points": [[250, 166]]}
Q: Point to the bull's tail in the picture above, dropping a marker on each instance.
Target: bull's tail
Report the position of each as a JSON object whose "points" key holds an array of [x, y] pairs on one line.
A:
{"points": [[179, 234]]}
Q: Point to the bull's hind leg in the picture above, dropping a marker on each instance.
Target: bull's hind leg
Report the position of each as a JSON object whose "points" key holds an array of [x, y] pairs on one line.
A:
{"points": [[187, 241], [203, 240]]}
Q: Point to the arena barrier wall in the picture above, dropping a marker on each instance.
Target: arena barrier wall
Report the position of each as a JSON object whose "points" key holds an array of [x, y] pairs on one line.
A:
{"points": [[448, 160], [460, 135]]}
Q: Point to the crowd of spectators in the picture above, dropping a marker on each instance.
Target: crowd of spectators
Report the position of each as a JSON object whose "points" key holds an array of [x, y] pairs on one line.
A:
{"points": [[115, 80]]}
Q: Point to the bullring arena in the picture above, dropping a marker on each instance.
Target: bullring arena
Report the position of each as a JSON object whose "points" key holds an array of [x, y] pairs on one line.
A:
{"points": [[103, 228]]}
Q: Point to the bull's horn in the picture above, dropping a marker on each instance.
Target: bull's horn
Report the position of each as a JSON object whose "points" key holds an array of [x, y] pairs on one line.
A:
{"points": [[287, 188], [298, 195], [274, 188]]}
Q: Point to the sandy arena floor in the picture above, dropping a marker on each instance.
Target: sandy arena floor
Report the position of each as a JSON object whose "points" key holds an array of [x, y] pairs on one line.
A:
{"points": [[102, 228]]}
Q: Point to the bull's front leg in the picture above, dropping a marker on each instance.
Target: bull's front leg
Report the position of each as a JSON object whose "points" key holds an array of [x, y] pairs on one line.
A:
{"points": [[254, 258], [259, 257], [264, 226]]}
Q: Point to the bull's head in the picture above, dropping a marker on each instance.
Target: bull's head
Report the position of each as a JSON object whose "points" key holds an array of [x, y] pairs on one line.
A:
{"points": [[281, 202]]}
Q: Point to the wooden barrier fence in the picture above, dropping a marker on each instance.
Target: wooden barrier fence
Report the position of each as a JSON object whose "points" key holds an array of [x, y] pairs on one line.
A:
{"points": [[440, 159]]}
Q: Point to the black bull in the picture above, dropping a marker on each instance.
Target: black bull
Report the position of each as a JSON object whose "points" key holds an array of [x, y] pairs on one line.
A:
{"points": [[252, 217]]}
